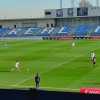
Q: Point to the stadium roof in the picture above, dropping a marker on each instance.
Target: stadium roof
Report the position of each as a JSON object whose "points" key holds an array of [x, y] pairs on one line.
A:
{"points": [[13, 19]]}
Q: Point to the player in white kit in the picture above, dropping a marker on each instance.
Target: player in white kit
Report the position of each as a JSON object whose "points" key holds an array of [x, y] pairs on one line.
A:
{"points": [[17, 65], [73, 44], [93, 55], [93, 58]]}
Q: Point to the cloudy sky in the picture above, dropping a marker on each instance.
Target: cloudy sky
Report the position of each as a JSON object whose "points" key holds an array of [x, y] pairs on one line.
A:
{"points": [[30, 8]]}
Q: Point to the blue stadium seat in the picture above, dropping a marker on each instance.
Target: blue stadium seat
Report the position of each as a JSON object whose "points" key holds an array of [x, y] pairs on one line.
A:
{"points": [[4, 31], [35, 31], [97, 31], [14, 32], [55, 31], [65, 30], [46, 31], [82, 30]]}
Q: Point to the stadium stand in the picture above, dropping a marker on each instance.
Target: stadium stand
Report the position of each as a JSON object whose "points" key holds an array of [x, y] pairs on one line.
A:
{"points": [[4, 32], [79, 31], [13, 33], [97, 31], [65, 30], [33, 31], [82, 30], [47, 31], [55, 31]]}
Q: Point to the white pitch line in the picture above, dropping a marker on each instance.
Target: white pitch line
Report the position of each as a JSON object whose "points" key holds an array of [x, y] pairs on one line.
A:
{"points": [[50, 88], [67, 89], [18, 83]]}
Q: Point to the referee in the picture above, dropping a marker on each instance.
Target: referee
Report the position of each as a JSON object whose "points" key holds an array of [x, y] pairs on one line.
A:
{"points": [[37, 80]]}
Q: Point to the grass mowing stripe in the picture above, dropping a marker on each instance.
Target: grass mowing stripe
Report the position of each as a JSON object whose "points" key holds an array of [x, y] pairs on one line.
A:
{"points": [[66, 62], [84, 78], [23, 81], [50, 58]]}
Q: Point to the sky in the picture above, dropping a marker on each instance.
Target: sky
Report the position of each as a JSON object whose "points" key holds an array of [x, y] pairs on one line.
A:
{"points": [[30, 8]]}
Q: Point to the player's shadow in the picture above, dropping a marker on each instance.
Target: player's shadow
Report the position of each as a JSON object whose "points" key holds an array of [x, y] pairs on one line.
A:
{"points": [[5, 71]]}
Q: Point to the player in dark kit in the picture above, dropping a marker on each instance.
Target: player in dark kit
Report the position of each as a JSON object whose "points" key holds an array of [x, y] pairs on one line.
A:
{"points": [[37, 80]]}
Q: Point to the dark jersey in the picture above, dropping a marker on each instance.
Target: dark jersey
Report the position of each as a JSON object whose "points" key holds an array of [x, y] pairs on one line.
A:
{"points": [[94, 60], [37, 79]]}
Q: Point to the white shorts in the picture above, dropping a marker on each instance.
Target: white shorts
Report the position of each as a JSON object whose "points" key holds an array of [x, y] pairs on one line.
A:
{"points": [[17, 66]]}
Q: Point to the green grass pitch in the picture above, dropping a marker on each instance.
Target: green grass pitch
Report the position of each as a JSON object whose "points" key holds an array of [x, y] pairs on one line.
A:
{"points": [[61, 66]]}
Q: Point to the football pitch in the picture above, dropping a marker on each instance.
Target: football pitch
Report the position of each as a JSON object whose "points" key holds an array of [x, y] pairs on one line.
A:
{"points": [[61, 66]]}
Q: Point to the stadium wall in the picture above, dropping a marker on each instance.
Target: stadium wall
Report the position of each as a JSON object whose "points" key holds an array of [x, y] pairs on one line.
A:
{"points": [[22, 38], [35, 22], [32, 94], [70, 37], [51, 38], [49, 22]]}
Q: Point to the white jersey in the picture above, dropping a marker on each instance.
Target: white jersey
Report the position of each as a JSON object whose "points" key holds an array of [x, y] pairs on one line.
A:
{"points": [[93, 55], [73, 44], [17, 64]]}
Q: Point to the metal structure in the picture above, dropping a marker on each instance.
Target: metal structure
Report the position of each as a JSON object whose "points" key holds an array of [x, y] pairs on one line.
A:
{"points": [[72, 3], [97, 3], [85, 3], [60, 4], [82, 3]]}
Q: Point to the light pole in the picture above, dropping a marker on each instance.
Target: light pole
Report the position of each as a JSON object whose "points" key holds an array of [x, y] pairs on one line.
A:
{"points": [[97, 3], [72, 3], [60, 4]]}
